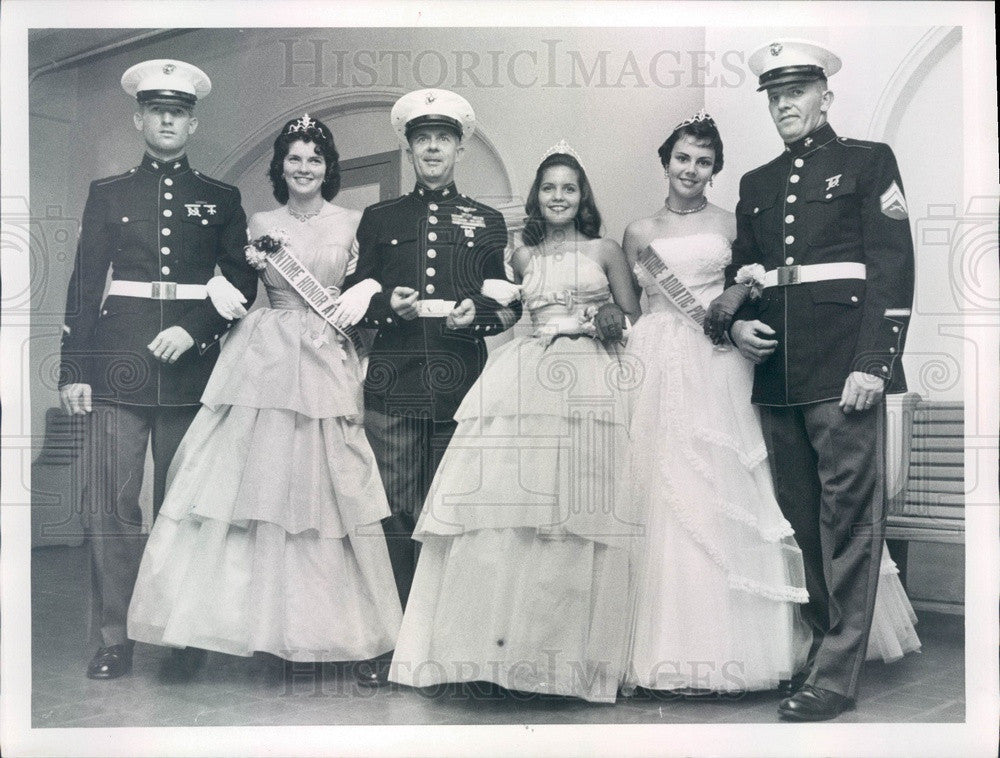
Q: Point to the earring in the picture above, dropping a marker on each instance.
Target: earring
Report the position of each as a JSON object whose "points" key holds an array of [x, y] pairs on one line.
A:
{"points": [[666, 173], [711, 181]]}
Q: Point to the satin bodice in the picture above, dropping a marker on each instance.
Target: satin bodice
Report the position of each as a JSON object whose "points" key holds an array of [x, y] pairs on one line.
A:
{"points": [[558, 286], [698, 260], [323, 244]]}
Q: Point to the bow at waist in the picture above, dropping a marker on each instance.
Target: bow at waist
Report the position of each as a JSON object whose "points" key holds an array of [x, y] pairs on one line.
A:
{"points": [[568, 298]]}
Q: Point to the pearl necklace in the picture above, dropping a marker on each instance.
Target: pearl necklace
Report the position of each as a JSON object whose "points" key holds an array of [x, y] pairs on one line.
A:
{"points": [[704, 204]]}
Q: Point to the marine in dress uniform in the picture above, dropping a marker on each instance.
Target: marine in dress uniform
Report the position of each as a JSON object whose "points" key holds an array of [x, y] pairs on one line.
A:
{"points": [[439, 246], [138, 363], [823, 237]]}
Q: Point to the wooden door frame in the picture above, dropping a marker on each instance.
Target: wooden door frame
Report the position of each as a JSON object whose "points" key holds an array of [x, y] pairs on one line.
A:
{"points": [[391, 157]]}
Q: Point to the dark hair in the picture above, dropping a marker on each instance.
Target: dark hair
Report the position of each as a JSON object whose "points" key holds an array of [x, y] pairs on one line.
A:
{"points": [[316, 133], [704, 132], [588, 218]]}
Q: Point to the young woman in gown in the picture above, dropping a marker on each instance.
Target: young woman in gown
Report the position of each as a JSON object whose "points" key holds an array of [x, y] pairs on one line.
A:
{"points": [[525, 571], [269, 536], [720, 575]]}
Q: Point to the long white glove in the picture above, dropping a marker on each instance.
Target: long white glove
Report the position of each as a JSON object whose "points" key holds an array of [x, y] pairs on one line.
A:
{"points": [[501, 290], [353, 303], [228, 300]]}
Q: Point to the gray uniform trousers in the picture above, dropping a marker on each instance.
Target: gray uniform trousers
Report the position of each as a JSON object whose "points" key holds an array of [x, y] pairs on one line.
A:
{"points": [[829, 478], [114, 456]]}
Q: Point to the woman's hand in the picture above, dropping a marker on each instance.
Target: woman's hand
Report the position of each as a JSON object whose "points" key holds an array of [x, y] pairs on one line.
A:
{"points": [[722, 309], [610, 323], [352, 304], [228, 300]]}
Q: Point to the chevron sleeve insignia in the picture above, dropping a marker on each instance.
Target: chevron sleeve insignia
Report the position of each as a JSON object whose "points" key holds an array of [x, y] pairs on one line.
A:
{"points": [[893, 202]]}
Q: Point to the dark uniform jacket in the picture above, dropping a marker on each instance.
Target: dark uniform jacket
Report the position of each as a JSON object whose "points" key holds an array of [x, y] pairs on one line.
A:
{"points": [[444, 245], [827, 199], [160, 221]]}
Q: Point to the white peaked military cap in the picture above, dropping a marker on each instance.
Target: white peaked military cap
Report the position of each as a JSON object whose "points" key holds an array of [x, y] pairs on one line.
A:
{"points": [[432, 107], [166, 81], [785, 61]]}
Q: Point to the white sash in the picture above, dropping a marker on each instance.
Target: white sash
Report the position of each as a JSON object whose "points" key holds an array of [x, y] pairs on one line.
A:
{"points": [[670, 286], [310, 290]]}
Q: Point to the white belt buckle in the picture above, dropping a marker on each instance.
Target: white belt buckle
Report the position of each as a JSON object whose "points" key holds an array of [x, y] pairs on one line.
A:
{"points": [[789, 275], [164, 290]]}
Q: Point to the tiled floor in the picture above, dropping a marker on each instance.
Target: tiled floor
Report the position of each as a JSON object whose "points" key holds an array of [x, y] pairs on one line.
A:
{"points": [[929, 686]]}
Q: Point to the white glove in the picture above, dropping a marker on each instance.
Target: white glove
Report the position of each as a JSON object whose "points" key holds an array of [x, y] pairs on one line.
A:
{"points": [[353, 303], [501, 290], [228, 300]]}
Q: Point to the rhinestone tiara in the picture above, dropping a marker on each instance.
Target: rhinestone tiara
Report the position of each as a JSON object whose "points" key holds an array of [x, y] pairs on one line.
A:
{"points": [[564, 148], [303, 124], [701, 115]]}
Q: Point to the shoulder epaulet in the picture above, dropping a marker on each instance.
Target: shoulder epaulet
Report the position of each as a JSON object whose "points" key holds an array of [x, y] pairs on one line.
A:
{"points": [[386, 203], [770, 163], [863, 144], [214, 182], [117, 177]]}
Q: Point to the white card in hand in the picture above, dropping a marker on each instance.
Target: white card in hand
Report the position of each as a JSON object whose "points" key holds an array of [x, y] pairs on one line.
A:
{"points": [[434, 308]]}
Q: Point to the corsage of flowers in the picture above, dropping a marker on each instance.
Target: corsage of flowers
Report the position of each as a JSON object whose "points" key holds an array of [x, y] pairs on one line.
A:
{"points": [[753, 277], [263, 246]]}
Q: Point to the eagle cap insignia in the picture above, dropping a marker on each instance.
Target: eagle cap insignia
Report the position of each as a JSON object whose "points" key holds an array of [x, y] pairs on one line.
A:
{"points": [[169, 68], [776, 48]]}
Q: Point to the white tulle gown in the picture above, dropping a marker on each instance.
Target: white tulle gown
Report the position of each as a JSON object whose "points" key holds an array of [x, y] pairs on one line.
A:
{"points": [[269, 537], [720, 574]]}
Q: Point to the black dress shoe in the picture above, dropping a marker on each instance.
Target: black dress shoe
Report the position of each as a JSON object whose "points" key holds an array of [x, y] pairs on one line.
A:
{"points": [[183, 664], [110, 662], [373, 673], [814, 704], [789, 687]]}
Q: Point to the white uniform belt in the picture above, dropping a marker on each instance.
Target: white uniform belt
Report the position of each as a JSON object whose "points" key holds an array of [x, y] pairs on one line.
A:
{"points": [[816, 272], [158, 290]]}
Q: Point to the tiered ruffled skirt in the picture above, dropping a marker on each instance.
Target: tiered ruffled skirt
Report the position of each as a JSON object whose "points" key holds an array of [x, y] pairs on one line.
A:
{"points": [[269, 538], [526, 575]]}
